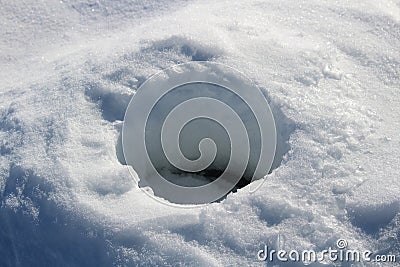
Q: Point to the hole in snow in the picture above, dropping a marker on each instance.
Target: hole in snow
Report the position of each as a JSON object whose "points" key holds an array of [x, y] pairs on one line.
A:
{"points": [[284, 127], [114, 90]]}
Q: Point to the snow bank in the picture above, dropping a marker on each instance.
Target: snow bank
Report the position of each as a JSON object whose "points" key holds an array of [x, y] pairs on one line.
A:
{"points": [[330, 72]]}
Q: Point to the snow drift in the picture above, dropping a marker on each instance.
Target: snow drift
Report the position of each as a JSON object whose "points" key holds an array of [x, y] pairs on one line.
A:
{"points": [[330, 71]]}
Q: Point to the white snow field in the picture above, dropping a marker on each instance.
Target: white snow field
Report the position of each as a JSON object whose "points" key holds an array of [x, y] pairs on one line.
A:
{"points": [[330, 70]]}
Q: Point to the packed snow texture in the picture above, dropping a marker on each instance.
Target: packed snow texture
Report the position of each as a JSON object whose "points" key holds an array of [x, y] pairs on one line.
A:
{"points": [[330, 70]]}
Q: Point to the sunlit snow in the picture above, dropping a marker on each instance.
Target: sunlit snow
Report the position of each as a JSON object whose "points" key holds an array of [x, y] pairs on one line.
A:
{"points": [[329, 69]]}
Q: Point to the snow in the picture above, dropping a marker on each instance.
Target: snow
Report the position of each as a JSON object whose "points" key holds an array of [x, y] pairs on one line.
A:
{"points": [[330, 71]]}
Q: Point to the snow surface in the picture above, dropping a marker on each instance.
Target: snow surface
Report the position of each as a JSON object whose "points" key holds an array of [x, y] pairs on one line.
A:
{"points": [[69, 68]]}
